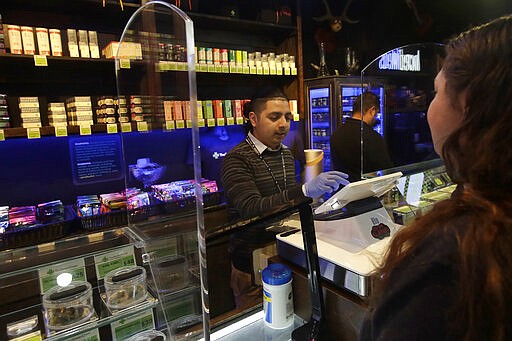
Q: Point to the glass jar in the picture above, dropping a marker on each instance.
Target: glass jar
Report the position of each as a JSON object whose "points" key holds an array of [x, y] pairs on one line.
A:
{"points": [[172, 273], [68, 306], [125, 287]]}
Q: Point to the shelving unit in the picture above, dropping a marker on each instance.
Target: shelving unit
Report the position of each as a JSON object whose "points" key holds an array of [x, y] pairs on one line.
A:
{"points": [[40, 157]]}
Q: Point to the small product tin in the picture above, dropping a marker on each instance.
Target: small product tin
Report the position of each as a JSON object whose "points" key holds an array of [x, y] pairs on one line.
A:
{"points": [[125, 287], [68, 306]]}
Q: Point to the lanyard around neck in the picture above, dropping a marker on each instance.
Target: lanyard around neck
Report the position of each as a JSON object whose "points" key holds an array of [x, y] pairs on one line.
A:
{"points": [[269, 170]]}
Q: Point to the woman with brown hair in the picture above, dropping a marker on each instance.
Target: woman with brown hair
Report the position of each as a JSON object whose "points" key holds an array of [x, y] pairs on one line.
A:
{"points": [[449, 274]]}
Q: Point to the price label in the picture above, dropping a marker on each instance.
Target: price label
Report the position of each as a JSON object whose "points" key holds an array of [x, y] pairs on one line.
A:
{"points": [[220, 122], [169, 125], [61, 131], [142, 126], [165, 247], [2, 135], [111, 128], [85, 130], [230, 121], [239, 120], [126, 127], [189, 123], [124, 64], [190, 241], [34, 336], [33, 133], [180, 124], [200, 122], [92, 335], [210, 122], [48, 274], [40, 60], [114, 260], [124, 328]]}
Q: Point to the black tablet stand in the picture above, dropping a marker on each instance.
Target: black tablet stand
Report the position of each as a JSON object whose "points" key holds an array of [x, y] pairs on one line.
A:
{"points": [[313, 330]]}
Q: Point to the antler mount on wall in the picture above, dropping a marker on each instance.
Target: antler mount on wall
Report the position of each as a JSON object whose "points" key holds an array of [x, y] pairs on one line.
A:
{"points": [[336, 22]]}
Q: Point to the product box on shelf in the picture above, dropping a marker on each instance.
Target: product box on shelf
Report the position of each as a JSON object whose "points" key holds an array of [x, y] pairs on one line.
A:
{"points": [[55, 42], [43, 42], [127, 50], [14, 39]]}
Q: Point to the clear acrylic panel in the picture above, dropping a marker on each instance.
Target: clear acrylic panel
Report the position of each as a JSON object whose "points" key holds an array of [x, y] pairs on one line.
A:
{"points": [[157, 112], [407, 74]]}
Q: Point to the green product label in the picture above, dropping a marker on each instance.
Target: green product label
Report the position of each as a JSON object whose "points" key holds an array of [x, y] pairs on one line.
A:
{"points": [[104, 268], [50, 280], [191, 242], [61, 131], [127, 329], [2, 135], [33, 133], [218, 68], [225, 68], [184, 307], [40, 60], [34, 336], [180, 124], [210, 122]]}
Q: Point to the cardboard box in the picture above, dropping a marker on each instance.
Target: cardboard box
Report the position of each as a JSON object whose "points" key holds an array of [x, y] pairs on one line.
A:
{"points": [[127, 50]]}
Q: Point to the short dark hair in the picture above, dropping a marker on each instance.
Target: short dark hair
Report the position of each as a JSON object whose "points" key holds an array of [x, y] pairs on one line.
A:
{"points": [[367, 99], [259, 100]]}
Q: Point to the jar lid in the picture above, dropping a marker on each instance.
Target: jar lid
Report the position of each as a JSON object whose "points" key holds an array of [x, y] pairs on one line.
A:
{"points": [[75, 290], [276, 274], [126, 275]]}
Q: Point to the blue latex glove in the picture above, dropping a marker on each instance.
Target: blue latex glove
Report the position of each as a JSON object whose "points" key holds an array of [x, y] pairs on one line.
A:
{"points": [[325, 182]]}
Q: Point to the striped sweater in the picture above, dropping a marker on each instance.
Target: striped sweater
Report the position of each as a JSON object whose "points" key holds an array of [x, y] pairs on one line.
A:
{"points": [[251, 191], [249, 186]]}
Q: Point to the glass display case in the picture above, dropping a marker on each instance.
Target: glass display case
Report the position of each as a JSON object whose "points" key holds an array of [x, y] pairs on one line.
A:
{"points": [[130, 259]]}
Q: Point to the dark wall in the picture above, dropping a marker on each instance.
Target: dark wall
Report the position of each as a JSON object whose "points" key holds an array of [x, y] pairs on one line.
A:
{"points": [[384, 25]]}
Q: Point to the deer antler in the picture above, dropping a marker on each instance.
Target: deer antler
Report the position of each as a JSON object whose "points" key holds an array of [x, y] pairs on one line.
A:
{"points": [[329, 17], [328, 14], [344, 15]]}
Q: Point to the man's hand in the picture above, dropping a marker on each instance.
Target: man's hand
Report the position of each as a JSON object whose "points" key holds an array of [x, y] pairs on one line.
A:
{"points": [[325, 182]]}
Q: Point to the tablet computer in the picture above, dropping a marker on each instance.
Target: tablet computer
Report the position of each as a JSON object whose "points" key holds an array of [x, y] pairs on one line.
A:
{"points": [[373, 187]]}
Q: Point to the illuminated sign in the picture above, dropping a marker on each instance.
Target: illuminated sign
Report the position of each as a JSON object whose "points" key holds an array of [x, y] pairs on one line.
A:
{"points": [[398, 60]]}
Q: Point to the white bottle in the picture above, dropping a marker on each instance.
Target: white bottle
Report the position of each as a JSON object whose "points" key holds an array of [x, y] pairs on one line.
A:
{"points": [[277, 296]]}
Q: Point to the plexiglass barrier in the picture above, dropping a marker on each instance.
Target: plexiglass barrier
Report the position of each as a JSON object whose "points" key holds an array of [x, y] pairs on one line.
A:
{"points": [[156, 109], [407, 74]]}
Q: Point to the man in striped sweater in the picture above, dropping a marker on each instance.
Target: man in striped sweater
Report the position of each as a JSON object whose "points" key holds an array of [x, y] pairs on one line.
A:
{"points": [[258, 177]]}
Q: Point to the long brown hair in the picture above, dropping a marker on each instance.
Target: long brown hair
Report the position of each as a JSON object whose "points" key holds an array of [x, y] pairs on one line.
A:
{"points": [[478, 155]]}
